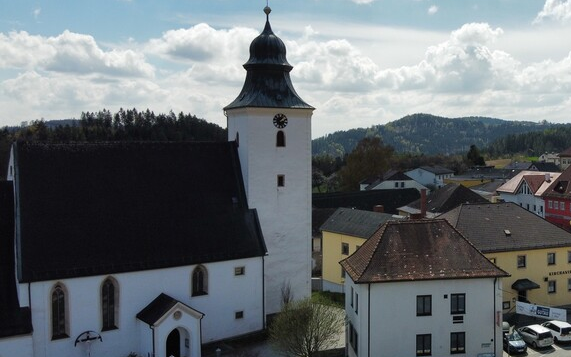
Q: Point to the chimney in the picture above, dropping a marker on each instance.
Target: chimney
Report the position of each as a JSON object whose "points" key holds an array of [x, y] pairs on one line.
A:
{"points": [[547, 177], [423, 203], [379, 209]]}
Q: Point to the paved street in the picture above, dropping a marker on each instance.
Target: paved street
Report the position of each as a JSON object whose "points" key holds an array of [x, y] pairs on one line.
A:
{"points": [[554, 351]]}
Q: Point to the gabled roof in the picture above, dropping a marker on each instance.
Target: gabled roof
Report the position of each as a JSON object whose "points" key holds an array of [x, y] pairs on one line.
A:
{"points": [[544, 166], [102, 208], [566, 152], [366, 200], [561, 186], [534, 182], [14, 320], [444, 199], [418, 250], [513, 185], [525, 165], [437, 170], [504, 227], [162, 304], [355, 222], [391, 175]]}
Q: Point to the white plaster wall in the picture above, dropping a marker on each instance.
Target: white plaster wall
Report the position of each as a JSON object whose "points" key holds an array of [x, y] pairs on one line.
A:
{"points": [[393, 316], [226, 294], [421, 176], [390, 185], [169, 324], [284, 212], [330, 286], [20, 346]]}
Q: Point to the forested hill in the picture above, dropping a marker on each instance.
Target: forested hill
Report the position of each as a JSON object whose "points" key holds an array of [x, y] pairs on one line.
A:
{"points": [[429, 134]]}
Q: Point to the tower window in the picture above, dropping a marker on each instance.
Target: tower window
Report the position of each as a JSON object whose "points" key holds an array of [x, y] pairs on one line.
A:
{"points": [[199, 281], [109, 300], [59, 313], [280, 139], [281, 180]]}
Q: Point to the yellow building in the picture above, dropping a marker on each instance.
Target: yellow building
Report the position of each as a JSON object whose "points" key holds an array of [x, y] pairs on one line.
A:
{"points": [[535, 252], [343, 234]]}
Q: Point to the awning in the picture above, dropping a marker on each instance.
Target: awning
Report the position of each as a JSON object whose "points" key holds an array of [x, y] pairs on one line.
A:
{"points": [[524, 284]]}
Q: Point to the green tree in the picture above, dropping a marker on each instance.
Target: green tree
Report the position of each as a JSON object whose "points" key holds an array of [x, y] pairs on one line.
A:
{"points": [[474, 156], [305, 327], [370, 158]]}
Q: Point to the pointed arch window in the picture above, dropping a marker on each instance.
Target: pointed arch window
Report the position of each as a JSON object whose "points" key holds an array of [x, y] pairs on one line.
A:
{"points": [[109, 304], [199, 281], [60, 325], [280, 139]]}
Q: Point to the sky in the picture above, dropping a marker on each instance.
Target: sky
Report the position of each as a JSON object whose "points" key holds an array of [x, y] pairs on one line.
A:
{"points": [[358, 62]]}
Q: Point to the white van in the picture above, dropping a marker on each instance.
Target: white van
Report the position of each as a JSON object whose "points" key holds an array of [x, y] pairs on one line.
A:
{"points": [[536, 335], [560, 330]]}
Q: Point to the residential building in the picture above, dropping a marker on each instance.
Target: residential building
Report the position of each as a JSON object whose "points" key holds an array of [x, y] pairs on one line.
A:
{"points": [[526, 189], [565, 158], [366, 200], [440, 201], [407, 294], [342, 234], [142, 247], [535, 252], [550, 157], [430, 176], [391, 180], [557, 200]]}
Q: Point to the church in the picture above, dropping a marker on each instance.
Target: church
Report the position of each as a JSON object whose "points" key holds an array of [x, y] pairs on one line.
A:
{"points": [[155, 248]]}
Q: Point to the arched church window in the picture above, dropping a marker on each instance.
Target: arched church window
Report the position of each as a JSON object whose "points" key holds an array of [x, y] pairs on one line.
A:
{"points": [[280, 139], [109, 301], [199, 281], [60, 324]]}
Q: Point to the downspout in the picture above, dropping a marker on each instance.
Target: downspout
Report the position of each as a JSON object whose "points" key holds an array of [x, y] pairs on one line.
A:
{"points": [[369, 321], [263, 292], [153, 329], [496, 316]]}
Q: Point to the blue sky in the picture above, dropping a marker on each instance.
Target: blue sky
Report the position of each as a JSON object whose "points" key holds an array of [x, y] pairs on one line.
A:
{"points": [[359, 62]]}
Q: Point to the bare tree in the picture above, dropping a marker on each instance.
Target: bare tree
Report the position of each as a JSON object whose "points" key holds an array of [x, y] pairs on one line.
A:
{"points": [[287, 294], [305, 327]]}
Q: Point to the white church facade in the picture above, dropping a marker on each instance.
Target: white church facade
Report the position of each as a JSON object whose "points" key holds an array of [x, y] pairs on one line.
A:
{"points": [[157, 248]]}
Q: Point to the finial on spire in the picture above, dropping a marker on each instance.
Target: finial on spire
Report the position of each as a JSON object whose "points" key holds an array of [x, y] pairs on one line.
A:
{"points": [[267, 9]]}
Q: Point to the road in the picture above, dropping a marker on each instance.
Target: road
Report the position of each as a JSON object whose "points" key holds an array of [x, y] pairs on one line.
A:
{"points": [[560, 350]]}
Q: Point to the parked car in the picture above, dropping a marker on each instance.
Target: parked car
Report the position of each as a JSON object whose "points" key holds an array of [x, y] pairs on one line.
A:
{"points": [[536, 335], [560, 330], [513, 343]]}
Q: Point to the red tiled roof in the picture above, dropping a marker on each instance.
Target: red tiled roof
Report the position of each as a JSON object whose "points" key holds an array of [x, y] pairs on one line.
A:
{"points": [[418, 250]]}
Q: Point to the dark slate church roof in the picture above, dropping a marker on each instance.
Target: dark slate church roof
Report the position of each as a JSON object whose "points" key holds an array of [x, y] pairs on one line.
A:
{"points": [[14, 320], [102, 208], [268, 83]]}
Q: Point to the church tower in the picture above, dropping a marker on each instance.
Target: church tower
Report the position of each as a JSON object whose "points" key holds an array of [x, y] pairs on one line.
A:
{"points": [[272, 127]]}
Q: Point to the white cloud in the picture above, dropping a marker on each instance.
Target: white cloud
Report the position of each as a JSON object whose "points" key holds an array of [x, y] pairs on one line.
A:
{"points": [[432, 10], [36, 12], [362, 1], [557, 10], [69, 53]]}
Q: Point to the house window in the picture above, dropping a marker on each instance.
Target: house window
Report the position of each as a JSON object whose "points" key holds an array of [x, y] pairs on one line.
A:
{"points": [[396, 184], [569, 256], [423, 345], [424, 305], [550, 204], [458, 342], [562, 206], [199, 281], [457, 303], [109, 300], [239, 270], [353, 338], [280, 139], [493, 260], [521, 261], [239, 315], [555, 204], [59, 312], [569, 284], [345, 248], [550, 258], [506, 305], [342, 273], [551, 287], [352, 293], [357, 303], [402, 184], [281, 180]]}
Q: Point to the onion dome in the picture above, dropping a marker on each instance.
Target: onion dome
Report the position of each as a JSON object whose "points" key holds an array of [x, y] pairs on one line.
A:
{"points": [[268, 83]]}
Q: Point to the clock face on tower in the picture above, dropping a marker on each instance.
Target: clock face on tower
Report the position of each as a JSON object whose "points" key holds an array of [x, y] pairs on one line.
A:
{"points": [[280, 121]]}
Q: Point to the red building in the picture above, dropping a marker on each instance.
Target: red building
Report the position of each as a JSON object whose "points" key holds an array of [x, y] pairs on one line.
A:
{"points": [[558, 201]]}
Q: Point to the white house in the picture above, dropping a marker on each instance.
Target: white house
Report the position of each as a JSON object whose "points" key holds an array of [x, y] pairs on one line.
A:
{"points": [[526, 189], [392, 180], [419, 288], [157, 248], [430, 175]]}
